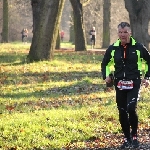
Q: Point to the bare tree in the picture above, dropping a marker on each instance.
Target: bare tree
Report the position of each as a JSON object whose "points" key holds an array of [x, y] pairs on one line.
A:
{"points": [[58, 41], [106, 23], [139, 14], [80, 40], [46, 20], [5, 22], [20, 16], [93, 16]]}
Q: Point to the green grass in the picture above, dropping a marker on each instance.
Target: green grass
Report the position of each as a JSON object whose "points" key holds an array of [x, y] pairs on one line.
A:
{"points": [[66, 45], [58, 104]]}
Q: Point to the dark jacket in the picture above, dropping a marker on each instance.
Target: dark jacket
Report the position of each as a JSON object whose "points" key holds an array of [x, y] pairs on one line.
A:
{"points": [[92, 34], [130, 67]]}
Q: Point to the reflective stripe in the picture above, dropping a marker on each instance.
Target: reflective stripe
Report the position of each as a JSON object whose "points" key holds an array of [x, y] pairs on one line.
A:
{"points": [[118, 42], [111, 63], [139, 62], [146, 66], [133, 41]]}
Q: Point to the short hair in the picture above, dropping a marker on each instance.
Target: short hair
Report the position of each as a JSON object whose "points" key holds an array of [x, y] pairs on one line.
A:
{"points": [[123, 24]]}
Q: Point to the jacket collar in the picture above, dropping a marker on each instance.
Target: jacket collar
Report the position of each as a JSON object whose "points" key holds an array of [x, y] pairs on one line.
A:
{"points": [[117, 43]]}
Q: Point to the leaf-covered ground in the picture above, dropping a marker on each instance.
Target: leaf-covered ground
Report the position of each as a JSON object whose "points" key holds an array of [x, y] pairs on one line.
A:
{"points": [[112, 141], [30, 88]]}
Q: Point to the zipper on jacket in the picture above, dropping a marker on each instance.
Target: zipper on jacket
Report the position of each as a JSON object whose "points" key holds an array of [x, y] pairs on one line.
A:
{"points": [[124, 56]]}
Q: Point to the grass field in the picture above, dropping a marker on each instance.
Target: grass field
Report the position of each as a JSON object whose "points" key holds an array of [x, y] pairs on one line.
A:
{"points": [[58, 104]]}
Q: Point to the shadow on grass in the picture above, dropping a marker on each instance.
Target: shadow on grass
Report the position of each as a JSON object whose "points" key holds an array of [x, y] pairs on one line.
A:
{"points": [[11, 59], [65, 76], [28, 77], [83, 85], [113, 141], [82, 57]]}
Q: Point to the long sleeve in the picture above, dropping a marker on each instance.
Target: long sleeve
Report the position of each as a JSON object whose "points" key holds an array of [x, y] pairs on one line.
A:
{"points": [[107, 61], [146, 60]]}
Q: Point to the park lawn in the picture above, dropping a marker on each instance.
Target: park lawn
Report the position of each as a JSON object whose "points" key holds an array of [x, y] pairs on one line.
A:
{"points": [[58, 104]]}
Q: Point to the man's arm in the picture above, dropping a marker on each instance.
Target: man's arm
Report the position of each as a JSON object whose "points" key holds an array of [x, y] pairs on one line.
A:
{"points": [[106, 62]]}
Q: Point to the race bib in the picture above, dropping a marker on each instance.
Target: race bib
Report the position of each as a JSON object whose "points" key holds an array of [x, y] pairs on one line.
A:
{"points": [[125, 85]]}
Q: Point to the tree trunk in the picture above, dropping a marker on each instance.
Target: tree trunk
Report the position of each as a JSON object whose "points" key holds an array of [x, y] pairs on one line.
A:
{"points": [[72, 35], [106, 23], [58, 41], [5, 22], [139, 14], [71, 29], [80, 40], [46, 20]]}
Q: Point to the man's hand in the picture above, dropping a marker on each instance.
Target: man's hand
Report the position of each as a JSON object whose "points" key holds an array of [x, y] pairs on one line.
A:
{"points": [[145, 82], [108, 79]]}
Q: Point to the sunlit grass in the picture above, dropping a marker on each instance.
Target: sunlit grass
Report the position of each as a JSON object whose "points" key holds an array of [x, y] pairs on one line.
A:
{"points": [[51, 104]]}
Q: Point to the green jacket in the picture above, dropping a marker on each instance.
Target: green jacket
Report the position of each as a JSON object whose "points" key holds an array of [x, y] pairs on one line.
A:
{"points": [[136, 63]]}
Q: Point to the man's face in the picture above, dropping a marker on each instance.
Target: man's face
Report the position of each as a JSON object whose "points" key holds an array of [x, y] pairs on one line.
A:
{"points": [[124, 34]]}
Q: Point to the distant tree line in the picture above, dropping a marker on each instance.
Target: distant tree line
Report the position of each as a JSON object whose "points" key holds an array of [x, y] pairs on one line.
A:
{"points": [[46, 18]]}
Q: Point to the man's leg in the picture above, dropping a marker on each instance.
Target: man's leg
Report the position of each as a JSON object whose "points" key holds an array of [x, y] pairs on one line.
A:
{"points": [[121, 99], [94, 42], [91, 43], [132, 98]]}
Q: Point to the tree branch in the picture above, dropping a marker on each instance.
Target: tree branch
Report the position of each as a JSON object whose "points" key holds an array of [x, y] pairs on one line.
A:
{"points": [[84, 2]]}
